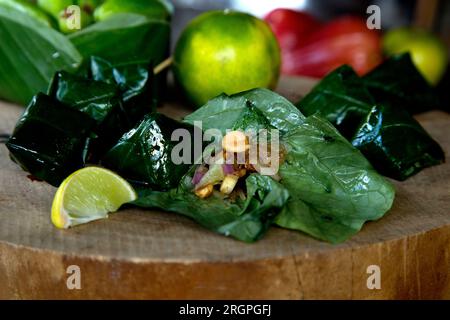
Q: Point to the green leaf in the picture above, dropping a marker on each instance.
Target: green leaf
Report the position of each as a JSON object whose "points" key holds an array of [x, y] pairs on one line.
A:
{"points": [[46, 144], [223, 112], [30, 53], [333, 188], [396, 143], [99, 100], [124, 37], [397, 81], [28, 8], [341, 98], [135, 80], [246, 220], [144, 154], [251, 119], [387, 135], [95, 98]]}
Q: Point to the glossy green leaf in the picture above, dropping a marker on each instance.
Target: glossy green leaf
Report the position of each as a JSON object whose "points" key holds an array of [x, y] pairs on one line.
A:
{"points": [[47, 144], [28, 8], [341, 98], [251, 119], [144, 154], [223, 112], [95, 98], [136, 83], [101, 101], [30, 53], [334, 189], [124, 37], [246, 220], [397, 144]]}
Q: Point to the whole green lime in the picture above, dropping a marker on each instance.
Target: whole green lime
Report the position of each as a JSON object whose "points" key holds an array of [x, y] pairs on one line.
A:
{"points": [[54, 7], [156, 9], [225, 52]]}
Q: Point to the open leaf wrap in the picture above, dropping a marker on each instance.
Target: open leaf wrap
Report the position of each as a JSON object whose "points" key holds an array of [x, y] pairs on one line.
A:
{"points": [[327, 188]]}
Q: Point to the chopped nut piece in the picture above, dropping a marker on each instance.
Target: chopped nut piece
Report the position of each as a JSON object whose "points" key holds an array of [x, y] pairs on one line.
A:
{"points": [[204, 192], [250, 167], [242, 172], [235, 141]]}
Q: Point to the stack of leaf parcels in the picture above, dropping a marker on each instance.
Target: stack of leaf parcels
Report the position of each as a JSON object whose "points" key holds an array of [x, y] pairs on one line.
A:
{"points": [[80, 118]]}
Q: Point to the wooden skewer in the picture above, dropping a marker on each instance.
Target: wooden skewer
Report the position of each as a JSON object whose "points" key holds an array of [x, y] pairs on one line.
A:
{"points": [[163, 65]]}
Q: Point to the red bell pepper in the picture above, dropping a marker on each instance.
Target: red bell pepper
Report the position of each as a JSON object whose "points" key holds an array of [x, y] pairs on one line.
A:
{"points": [[345, 40], [291, 27]]}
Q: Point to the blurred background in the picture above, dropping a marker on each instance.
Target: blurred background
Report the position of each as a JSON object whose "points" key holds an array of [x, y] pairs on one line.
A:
{"points": [[433, 15]]}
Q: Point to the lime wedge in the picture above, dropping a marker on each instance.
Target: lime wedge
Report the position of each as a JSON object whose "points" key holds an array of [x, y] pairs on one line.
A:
{"points": [[89, 194]]}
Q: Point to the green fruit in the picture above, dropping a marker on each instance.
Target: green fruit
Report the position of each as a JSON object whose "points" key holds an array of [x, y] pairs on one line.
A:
{"points": [[54, 7], [427, 51], [396, 37], [151, 8], [65, 21], [29, 9], [225, 51]]}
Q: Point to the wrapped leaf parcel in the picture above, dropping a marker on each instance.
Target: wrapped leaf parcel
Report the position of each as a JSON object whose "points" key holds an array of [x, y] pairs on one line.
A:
{"points": [[391, 139], [327, 188], [398, 82], [95, 98], [135, 80], [48, 146], [143, 155]]}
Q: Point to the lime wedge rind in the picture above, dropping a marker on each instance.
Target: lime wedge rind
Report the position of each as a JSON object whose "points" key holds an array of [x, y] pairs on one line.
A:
{"points": [[91, 194]]}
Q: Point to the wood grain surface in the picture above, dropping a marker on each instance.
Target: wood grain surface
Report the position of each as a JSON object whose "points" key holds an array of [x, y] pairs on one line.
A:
{"points": [[138, 254]]}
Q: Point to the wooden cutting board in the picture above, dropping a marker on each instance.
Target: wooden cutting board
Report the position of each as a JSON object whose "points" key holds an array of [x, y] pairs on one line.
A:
{"points": [[148, 254]]}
